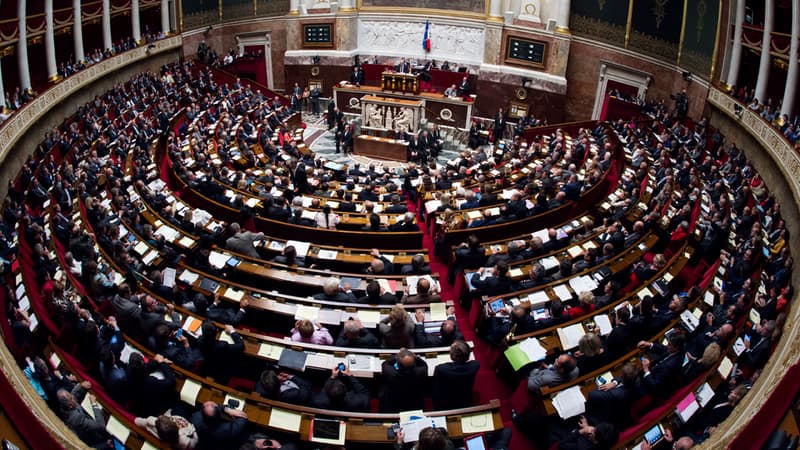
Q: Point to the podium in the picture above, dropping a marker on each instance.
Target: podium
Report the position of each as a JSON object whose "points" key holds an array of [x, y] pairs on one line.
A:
{"points": [[400, 82]]}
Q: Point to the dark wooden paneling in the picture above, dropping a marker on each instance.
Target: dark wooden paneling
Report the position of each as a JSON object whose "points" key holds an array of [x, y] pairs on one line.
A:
{"points": [[329, 75], [493, 95]]}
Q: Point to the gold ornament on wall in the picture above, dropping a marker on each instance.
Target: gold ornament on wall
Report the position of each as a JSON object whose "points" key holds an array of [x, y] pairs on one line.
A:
{"points": [[521, 93], [659, 11], [701, 14], [315, 71]]}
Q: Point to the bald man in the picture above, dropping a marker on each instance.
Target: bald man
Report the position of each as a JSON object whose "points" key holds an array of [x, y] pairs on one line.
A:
{"points": [[425, 293]]}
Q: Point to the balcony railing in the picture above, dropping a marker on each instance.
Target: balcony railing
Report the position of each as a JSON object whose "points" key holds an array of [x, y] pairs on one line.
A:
{"points": [[779, 42]]}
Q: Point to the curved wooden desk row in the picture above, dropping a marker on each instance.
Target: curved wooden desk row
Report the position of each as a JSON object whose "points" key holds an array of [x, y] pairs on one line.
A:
{"points": [[286, 417], [506, 176], [551, 338], [546, 219], [587, 381], [499, 172], [321, 357], [282, 230], [327, 312], [339, 256], [245, 266]]}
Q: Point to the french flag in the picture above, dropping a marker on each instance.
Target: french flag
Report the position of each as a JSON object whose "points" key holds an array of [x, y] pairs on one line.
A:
{"points": [[426, 40]]}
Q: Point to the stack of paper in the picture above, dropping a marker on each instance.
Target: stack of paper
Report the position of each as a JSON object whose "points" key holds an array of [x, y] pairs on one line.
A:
{"points": [[300, 246], [217, 259], [570, 402]]}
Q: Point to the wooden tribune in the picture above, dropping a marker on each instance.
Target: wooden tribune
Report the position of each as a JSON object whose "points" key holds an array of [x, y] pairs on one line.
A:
{"points": [[381, 148]]}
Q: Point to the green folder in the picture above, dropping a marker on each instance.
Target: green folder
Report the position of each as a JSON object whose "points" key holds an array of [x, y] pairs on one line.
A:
{"points": [[517, 357]]}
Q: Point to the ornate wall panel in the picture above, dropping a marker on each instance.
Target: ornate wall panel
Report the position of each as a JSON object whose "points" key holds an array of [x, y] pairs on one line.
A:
{"points": [[469, 6], [404, 38], [600, 19], [702, 17], [237, 9], [199, 13], [656, 28]]}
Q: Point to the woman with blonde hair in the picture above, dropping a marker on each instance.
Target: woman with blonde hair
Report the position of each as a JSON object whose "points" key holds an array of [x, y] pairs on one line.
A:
{"points": [[397, 329], [591, 354]]}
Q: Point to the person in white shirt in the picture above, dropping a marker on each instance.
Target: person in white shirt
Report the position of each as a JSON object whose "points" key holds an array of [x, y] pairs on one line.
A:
{"points": [[326, 219]]}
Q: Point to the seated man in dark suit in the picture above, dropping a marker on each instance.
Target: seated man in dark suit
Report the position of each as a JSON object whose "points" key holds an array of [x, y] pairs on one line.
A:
{"points": [[217, 312], [396, 207], [468, 255], [403, 377], [426, 293], [621, 339], [284, 387], [342, 392], [334, 293], [498, 283], [417, 266], [355, 335], [448, 332], [380, 264], [611, 402], [376, 295], [219, 425], [407, 224], [453, 381], [662, 371]]}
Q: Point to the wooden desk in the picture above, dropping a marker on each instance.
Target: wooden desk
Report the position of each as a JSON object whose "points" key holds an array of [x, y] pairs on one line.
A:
{"points": [[400, 82], [381, 148]]}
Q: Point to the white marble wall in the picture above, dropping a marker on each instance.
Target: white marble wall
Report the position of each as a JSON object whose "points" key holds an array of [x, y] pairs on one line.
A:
{"points": [[403, 38]]}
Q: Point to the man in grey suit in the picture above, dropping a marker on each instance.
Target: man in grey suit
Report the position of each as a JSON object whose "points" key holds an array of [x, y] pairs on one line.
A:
{"points": [[90, 428], [564, 369], [243, 241]]}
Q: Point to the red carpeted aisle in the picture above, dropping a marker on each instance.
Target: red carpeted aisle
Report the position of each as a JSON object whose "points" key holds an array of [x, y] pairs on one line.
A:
{"points": [[487, 385]]}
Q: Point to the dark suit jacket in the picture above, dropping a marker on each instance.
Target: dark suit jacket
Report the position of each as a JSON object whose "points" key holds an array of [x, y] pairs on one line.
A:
{"points": [[612, 406], [403, 390], [665, 373], [452, 384], [356, 398], [620, 340], [492, 285]]}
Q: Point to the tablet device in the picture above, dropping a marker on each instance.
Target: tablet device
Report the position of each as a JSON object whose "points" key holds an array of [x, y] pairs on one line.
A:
{"points": [[497, 305], [325, 429], [654, 435], [476, 442]]}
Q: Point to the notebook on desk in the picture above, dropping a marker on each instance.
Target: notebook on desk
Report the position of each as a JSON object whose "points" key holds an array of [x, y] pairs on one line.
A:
{"points": [[292, 359], [209, 285]]}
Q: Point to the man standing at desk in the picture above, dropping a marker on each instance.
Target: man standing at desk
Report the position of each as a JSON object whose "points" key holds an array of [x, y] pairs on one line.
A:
{"points": [[357, 77], [499, 125], [314, 96], [463, 88]]}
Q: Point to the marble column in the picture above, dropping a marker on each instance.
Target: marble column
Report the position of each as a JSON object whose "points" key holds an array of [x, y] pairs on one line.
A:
{"points": [[49, 41], [790, 92], [107, 44], [496, 10], [165, 16], [766, 59], [22, 51], [77, 30], [736, 51], [135, 26], [563, 16], [294, 7]]}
